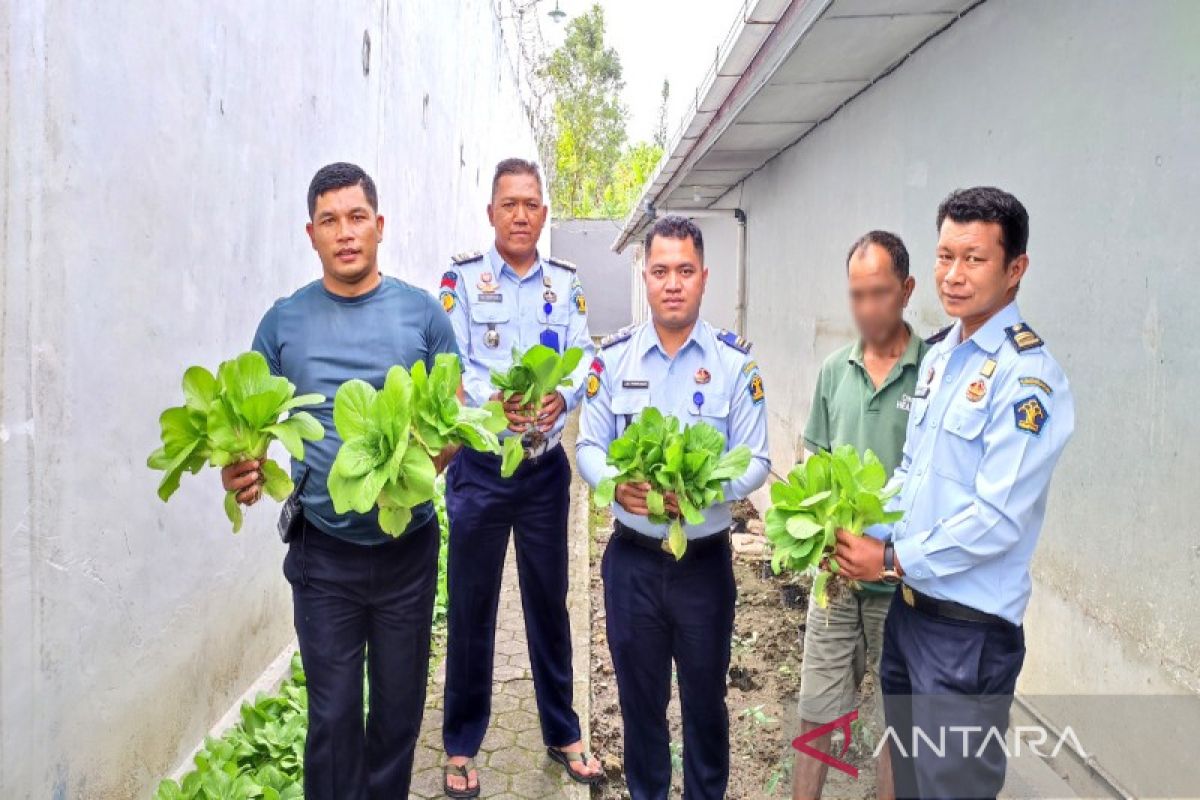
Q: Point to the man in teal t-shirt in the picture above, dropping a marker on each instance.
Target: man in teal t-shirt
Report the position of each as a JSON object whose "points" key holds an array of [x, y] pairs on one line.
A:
{"points": [[861, 399], [360, 595]]}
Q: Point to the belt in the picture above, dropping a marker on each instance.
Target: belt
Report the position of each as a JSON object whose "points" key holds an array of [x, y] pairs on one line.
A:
{"points": [[948, 609], [545, 447], [695, 547]]}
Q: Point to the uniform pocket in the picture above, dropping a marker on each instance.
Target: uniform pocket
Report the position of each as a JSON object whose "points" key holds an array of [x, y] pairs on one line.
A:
{"points": [[714, 411], [963, 440], [627, 404]]}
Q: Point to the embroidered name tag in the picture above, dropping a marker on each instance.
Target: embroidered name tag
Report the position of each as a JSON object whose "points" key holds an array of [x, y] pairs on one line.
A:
{"points": [[489, 297]]}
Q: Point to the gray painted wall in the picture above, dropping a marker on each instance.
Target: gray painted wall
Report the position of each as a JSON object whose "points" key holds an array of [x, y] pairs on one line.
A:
{"points": [[604, 274], [155, 160], [1090, 113]]}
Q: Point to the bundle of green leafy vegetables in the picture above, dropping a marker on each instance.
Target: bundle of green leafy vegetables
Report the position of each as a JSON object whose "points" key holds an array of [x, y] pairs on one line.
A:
{"points": [[828, 492], [390, 437], [230, 417], [534, 374], [687, 461]]}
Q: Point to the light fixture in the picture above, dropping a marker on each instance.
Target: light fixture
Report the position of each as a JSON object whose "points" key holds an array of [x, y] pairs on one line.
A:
{"points": [[558, 15], [696, 196]]}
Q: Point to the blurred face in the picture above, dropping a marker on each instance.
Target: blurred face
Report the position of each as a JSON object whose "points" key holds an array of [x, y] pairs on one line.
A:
{"points": [[517, 214], [675, 281], [974, 279], [346, 232], [877, 295]]}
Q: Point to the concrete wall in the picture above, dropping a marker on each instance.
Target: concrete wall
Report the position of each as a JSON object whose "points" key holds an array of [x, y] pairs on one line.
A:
{"points": [[155, 160], [588, 243], [1089, 112]]}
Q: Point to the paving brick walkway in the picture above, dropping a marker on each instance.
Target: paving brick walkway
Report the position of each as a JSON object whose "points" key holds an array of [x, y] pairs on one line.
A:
{"points": [[513, 761]]}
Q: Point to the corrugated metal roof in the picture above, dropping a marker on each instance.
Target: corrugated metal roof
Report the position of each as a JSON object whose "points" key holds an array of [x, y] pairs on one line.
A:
{"points": [[784, 67]]}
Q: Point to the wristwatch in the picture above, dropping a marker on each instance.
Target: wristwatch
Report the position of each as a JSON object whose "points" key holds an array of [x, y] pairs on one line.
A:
{"points": [[889, 575]]}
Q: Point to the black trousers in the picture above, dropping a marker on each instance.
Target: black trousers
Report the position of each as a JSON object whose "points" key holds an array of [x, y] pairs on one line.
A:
{"points": [[354, 602], [658, 611], [483, 508], [948, 688]]}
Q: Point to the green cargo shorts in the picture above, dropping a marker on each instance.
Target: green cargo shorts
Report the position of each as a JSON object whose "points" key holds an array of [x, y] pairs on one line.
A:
{"points": [[842, 644]]}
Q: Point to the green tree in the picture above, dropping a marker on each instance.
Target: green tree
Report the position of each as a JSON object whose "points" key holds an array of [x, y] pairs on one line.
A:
{"points": [[588, 119], [629, 175]]}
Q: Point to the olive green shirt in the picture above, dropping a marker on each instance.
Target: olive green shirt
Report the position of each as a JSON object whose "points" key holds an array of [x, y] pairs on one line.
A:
{"points": [[848, 409]]}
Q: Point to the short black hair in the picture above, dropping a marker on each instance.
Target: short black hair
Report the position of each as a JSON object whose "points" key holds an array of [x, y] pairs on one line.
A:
{"points": [[674, 226], [890, 242], [516, 166], [989, 204], [340, 175]]}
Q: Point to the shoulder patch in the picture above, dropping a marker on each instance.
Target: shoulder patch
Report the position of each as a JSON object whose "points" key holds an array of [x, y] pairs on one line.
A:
{"points": [[1031, 415], [755, 388], [449, 279], [562, 262], [617, 337], [467, 257], [939, 335], [733, 340], [1023, 338]]}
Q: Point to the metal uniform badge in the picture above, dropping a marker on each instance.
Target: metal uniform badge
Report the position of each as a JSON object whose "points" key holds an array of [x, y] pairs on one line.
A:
{"points": [[550, 297], [492, 337], [703, 376], [976, 391]]}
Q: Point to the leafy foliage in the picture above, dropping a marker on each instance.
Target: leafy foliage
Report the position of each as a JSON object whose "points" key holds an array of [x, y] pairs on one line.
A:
{"points": [[829, 491], [689, 462], [390, 437], [230, 417], [532, 376]]}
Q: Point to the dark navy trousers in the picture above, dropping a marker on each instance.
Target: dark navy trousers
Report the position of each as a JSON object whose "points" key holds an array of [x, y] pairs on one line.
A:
{"points": [[947, 685], [660, 611], [354, 602], [483, 508]]}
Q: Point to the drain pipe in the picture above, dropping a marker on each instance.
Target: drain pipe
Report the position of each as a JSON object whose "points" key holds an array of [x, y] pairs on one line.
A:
{"points": [[739, 217]]}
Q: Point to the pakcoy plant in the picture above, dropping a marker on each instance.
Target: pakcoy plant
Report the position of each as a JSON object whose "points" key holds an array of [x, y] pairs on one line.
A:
{"points": [[825, 493], [391, 436], [534, 374], [230, 417], [688, 462]]}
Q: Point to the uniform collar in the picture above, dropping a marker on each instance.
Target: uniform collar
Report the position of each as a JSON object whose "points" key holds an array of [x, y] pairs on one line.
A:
{"points": [[911, 354], [701, 335], [991, 336], [500, 266]]}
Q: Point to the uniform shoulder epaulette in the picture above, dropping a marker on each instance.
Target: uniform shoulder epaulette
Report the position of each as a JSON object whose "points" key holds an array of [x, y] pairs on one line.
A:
{"points": [[1023, 338], [733, 340], [467, 258], [617, 337], [937, 337], [562, 262]]}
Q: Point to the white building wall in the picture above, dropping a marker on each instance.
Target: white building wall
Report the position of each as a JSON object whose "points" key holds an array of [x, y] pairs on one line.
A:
{"points": [[152, 203], [1089, 114]]}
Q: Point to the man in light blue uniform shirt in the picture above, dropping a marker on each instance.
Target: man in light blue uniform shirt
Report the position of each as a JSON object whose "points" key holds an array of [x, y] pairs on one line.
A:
{"points": [[511, 297], [991, 414], [660, 610]]}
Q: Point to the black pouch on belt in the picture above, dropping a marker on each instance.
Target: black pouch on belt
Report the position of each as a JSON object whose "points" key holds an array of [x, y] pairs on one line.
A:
{"points": [[291, 516]]}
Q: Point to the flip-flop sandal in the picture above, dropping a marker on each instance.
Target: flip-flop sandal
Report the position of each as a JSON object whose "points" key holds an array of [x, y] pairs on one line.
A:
{"points": [[567, 758], [463, 771]]}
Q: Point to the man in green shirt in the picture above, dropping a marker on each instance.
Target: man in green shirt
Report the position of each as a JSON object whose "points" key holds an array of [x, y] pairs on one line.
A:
{"points": [[862, 398]]}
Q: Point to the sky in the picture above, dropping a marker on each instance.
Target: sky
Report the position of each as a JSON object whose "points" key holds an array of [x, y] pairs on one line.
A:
{"points": [[656, 39]]}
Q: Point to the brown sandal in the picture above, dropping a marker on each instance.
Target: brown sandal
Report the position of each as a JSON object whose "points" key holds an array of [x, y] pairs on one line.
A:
{"points": [[566, 758], [462, 771]]}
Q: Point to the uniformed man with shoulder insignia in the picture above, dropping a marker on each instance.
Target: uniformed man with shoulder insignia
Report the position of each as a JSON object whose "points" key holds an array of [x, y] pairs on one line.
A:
{"points": [[660, 610], [991, 414], [510, 297]]}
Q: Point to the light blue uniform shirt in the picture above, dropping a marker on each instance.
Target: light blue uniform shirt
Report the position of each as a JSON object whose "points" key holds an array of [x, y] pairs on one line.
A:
{"points": [[633, 372], [989, 420], [493, 310]]}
